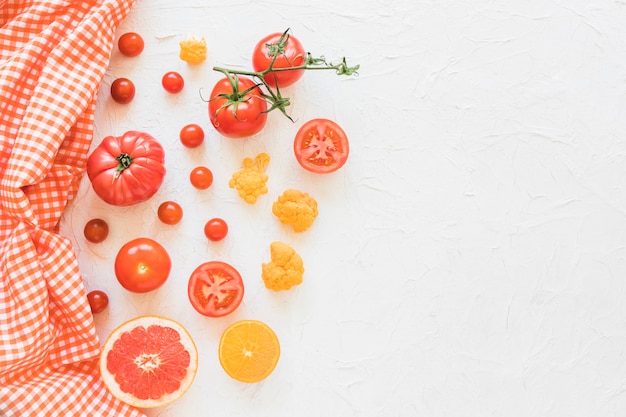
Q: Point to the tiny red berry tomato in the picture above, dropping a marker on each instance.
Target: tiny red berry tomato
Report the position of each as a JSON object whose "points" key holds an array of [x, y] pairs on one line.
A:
{"points": [[321, 146], [170, 212], [98, 301], [215, 229], [96, 230], [201, 177], [142, 265], [287, 52], [192, 135], [215, 289], [122, 90], [234, 115], [173, 82], [130, 44]]}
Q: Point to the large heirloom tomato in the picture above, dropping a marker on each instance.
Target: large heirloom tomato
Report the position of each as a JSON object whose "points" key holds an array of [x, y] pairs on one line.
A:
{"points": [[127, 169]]}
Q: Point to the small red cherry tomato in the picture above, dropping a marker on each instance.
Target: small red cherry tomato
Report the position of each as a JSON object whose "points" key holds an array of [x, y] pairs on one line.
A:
{"points": [[130, 44], [173, 82], [98, 301], [96, 230], [215, 229], [286, 53], [215, 289], [122, 90], [201, 177], [170, 212], [321, 146], [192, 135]]}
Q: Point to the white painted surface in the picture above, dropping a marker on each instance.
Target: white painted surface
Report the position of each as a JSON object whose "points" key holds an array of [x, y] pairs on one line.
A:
{"points": [[469, 260]]}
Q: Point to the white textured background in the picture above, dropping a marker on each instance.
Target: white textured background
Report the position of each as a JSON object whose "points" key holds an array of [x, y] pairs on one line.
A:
{"points": [[469, 259]]}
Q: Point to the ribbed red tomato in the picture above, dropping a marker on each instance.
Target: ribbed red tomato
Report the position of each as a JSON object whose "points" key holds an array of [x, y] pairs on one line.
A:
{"points": [[127, 169]]}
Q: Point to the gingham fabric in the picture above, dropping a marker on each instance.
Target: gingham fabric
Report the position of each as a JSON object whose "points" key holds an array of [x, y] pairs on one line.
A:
{"points": [[53, 55]]}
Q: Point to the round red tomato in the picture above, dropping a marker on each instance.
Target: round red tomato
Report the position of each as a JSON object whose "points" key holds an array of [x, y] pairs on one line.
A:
{"points": [[122, 90], [142, 265], [96, 230], [234, 115], [127, 169], [215, 289], [130, 44], [170, 212], [191, 135], [201, 177], [215, 229], [321, 146], [98, 301], [173, 82], [287, 51]]}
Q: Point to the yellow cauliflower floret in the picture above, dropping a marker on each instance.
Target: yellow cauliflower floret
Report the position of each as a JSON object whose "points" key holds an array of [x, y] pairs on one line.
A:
{"points": [[285, 269], [193, 50], [251, 182], [295, 208]]}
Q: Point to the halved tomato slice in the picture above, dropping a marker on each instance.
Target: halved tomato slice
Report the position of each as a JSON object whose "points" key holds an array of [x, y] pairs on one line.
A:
{"points": [[215, 289], [321, 146]]}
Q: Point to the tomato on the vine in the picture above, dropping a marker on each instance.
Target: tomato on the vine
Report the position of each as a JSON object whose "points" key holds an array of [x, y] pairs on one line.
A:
{"points": [[98, 301], [142, 265], [237, 115], [286, 51], [122, 90], [216, 229], [173, 82], [321, 146], [170, 212], [191, 135], [201, 177], [215, 289], [96, 230], [130, 44]]}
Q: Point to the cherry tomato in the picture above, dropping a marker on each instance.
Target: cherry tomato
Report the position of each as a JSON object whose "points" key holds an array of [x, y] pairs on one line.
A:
{"points": [[142, 265], [98, 301], [96, 230], [192, 135], [215, 229], [215, 289], [245, 119], [321, 146], [173, 82], [123, 90], [130, 44], [288, 53], [201, 177], [170, 212]]}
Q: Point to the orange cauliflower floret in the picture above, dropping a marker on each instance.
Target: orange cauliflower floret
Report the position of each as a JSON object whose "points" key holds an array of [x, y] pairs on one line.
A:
{"points": [[295, 208], [285, 270], [251, 182], [193, 50]]}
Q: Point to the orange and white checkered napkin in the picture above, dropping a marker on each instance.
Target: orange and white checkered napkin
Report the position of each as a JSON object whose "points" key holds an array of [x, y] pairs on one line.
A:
{"points": [[53, 55]]}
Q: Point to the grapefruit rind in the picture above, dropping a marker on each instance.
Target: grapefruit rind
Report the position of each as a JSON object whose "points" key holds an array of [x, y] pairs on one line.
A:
{"points": [[128, 398]]}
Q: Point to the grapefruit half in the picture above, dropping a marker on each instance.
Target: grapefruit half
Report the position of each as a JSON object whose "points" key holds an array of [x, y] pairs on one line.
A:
{"points": [[149, 361]]}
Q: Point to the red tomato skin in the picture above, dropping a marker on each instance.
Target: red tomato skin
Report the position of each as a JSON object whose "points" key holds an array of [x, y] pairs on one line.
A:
{"points": [[170, 212], [191, 135], [130, 44], [293, 55], [231, 288], [98, 301], [201, 177], [137, 183], [122, 90], [173, 82], [250, 116], [317, 137], [216, 229], [142, 265], [96, 230]]}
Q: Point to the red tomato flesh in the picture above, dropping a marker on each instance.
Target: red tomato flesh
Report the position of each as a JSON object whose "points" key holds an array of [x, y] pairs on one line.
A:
{"points": [[321, 146], [215, 289]]}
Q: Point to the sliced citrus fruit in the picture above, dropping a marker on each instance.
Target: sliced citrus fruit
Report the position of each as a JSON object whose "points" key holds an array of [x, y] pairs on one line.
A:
{"points": [[249, 350], [149, 361]]}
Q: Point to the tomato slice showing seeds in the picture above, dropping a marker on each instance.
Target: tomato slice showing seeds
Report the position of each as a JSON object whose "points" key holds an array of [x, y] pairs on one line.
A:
{"points": [[215, 289], [321, 146]]}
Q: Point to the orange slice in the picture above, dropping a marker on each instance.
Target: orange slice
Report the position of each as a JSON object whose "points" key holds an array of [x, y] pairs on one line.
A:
{"points": [[148, 361], [249, 351]]}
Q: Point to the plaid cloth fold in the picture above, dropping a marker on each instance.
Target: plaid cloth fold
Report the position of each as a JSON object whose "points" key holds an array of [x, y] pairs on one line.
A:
{"points": [[53, 55]]}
